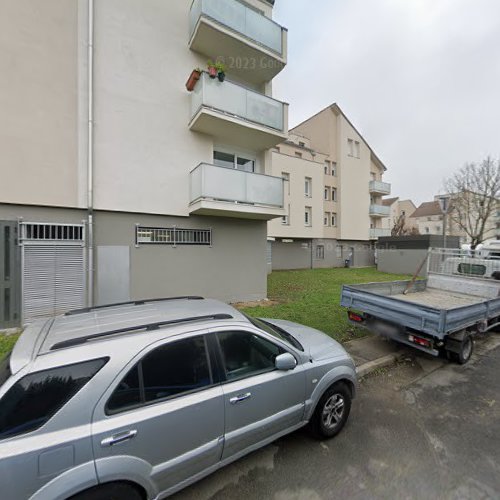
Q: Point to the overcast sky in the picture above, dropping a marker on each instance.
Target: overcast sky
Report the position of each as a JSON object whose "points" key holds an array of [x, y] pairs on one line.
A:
{"points": [[420, 79]]}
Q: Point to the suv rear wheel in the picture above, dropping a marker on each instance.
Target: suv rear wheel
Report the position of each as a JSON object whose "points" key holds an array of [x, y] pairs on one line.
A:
{"points": [[110, 491]]}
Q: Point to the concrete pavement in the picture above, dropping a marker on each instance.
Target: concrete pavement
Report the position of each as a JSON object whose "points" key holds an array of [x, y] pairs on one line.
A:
{"points": [[423, 429]]}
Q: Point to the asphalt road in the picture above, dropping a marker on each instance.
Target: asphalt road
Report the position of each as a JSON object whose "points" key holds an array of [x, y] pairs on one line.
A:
{"points": [[424, 429]]}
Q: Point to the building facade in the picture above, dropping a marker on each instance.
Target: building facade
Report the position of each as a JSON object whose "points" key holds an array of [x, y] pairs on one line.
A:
{"points": [[118, 183], [398, 208], [333, 195]]}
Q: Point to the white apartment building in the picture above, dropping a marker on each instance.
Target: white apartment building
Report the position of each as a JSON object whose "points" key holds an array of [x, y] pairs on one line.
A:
{"points": [[333, 195], [116, 182]]}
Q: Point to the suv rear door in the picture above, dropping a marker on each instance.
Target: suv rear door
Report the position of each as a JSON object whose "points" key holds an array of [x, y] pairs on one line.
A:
{"points": [[162, 419]]}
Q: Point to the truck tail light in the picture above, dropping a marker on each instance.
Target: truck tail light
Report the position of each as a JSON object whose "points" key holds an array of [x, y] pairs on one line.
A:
{"points": [[420, 341], [355, 317]]}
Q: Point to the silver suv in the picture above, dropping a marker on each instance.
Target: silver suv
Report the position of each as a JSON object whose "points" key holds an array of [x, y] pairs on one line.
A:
{"points": [[139, 400]]}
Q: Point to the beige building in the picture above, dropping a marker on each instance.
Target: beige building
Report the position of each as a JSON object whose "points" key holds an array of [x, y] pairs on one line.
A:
{"points": [[398, 208], [333, 195], [119, 183]]}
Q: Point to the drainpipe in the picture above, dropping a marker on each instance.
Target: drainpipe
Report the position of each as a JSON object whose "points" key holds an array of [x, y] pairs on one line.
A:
{"points": [[90, 154]]}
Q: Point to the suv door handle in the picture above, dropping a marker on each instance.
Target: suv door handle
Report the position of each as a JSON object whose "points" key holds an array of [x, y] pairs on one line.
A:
{"points": [[119, 438], [240, 397]]}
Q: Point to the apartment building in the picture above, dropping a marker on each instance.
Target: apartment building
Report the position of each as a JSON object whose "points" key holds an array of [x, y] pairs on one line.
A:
{"points": [[429, 219], [398, 208], [118, 183], [333, 195]]}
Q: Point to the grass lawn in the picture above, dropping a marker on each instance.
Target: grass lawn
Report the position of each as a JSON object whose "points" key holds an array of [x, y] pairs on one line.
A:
{"points": [[312, 297], [6, 344]]}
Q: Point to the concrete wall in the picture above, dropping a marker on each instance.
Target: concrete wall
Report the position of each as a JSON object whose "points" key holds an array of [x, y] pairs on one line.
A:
{"points": [[39, 102], [233, 269], [299, 254], [405, 261]]}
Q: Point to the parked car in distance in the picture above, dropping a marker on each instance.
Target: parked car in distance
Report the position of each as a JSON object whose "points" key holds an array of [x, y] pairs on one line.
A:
{"points": [[138, 400]]}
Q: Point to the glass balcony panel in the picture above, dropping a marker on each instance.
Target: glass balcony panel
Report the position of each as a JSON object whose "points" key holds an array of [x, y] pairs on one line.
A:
{"points": [[227, 184], [379, 210], [241, 19], [239, 101]]}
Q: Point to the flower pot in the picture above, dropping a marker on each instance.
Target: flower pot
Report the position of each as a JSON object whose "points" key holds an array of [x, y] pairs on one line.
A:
{"points": [[221, 76], [193, 78], [212, 72]]}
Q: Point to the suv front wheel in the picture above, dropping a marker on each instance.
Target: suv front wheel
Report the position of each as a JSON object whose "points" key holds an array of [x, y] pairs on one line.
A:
{"points": [[332, 411]]}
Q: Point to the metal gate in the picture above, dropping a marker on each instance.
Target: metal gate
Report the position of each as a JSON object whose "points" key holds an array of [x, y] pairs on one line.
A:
{"points": [[53, 269], [10, 310]]}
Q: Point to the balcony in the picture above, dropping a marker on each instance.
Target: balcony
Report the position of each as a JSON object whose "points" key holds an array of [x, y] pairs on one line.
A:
{"points": [[237, 115], [229, 192], [249, 43], [376, 233], [379, 211], [379, 187]]}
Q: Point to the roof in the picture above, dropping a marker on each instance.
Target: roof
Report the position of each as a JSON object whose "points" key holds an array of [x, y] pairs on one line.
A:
{"points": [[337, 109], [387, 202], [427, 209]]}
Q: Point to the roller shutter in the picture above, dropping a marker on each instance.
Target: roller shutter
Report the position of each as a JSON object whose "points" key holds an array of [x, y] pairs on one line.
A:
{"points": [[53, 279]]}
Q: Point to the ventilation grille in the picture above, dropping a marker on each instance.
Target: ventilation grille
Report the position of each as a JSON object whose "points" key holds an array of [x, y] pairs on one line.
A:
{"points": [[173, 236]]}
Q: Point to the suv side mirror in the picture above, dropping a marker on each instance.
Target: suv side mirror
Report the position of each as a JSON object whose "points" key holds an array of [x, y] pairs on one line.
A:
{"points": [[285, 362]]}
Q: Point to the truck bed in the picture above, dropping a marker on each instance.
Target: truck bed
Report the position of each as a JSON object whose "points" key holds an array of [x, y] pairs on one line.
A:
{"points": [[437, 306]]}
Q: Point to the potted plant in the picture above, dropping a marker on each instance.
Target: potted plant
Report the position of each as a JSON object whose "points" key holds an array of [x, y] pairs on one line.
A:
{"points": [[193, 78], [221, 71], [212, 69]]}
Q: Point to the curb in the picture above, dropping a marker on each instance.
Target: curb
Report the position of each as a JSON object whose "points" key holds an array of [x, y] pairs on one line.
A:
{"points": [[371, 366]]}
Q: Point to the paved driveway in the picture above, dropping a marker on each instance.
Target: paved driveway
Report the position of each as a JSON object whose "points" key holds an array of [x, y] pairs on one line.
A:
{"points": [[424, 429]]}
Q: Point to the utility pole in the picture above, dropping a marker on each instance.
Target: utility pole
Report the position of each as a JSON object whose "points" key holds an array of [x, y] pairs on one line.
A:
{"points": [[444, 203]]}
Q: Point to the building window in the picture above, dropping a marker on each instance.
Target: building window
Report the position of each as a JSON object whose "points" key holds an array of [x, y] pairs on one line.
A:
{"points": [[286, 179], [298, 155], [320, 252], [230, 160], [326, 195], [334, 168], [326, 219], [350, 147], [438, 228], [427, 230], [285, 220], [326, 168], [308, 216], [334, 194], [334, 220], [308, 187], [37, 231], [356, 149], [172, 236], [403, 212]]}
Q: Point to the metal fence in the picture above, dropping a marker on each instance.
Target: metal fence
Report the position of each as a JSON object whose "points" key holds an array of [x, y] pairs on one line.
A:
{"points": [[457, 262]]}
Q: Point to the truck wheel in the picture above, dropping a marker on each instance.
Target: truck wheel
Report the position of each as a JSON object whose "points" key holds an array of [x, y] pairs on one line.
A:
{"points": [[465, 351], [109, 491], [332, 411]]}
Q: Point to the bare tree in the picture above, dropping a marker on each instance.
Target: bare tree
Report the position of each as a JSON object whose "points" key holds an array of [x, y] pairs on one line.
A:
{"points": [[474, 192], [401, 229]]}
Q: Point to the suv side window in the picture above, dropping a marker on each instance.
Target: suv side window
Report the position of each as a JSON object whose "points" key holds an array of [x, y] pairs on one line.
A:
{"points": [[34, 399], [171, 370], [246, 354]]}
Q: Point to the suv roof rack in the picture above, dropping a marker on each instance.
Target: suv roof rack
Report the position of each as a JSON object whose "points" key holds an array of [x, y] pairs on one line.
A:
{"points": [[139, 302], [147, 327]]}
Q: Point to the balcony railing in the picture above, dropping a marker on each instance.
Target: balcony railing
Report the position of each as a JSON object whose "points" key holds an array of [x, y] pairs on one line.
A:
{"points": [[379, 233], [379, 210], [228, 184], [237, 101], [242, 19], [380, 187]]}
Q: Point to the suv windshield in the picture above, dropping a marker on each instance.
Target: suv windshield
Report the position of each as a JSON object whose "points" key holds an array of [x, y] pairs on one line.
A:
{"points": [[275, 331]]}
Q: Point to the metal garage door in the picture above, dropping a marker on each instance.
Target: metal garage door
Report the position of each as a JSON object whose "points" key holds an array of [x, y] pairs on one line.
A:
{"points": [[54, 278]]}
